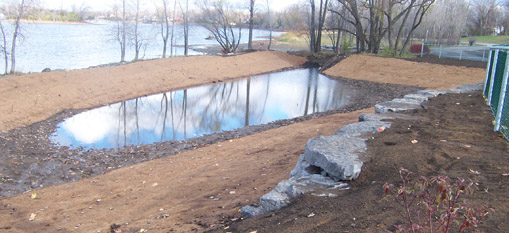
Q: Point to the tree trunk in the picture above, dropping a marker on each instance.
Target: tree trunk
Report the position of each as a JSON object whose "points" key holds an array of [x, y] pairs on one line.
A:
{"points": [[173, 28], [4, 48], [15, 36], [186, 30], [270, 25], [251, 23], [312, 38], [321, 21], [122, 46], [137, 45]]}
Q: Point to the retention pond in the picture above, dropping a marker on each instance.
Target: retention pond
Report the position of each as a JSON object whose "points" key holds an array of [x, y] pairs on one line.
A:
{"points": [[207, 109]]}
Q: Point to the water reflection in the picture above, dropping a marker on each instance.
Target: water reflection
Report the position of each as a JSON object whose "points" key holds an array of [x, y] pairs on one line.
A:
{"points": [[193, 112]]}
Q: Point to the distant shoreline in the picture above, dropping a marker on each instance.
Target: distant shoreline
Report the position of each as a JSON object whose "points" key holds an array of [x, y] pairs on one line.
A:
{"points": [[46, 21]]}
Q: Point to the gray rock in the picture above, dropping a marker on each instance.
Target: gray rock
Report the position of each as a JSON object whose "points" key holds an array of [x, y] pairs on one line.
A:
{"points": [[472, 87], [363, 128], [454, 91], [338, 156], [375, 117], [433, 93], [251, 211], [407, 101], [396, 106], [468, 88], [281, 195], [385, 116], [420, 97], [303, 168], [46, 70]]}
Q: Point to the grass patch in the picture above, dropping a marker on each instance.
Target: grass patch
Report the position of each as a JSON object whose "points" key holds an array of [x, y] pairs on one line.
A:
{"points": [[488, 39]]}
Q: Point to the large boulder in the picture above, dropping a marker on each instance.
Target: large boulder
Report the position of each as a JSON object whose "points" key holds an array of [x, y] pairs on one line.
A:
{"points": [[363, 129], [337, 155]]}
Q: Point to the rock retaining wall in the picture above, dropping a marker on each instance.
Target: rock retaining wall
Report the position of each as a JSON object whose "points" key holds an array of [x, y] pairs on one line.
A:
{"points": [[329, 160]]}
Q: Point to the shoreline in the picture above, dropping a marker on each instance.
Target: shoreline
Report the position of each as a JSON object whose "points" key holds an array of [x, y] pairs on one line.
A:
{"points": [[48, 21], [33, 97]]}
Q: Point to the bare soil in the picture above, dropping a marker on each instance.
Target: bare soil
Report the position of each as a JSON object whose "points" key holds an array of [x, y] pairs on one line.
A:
{"points": [[454, 138], [204, 187]]}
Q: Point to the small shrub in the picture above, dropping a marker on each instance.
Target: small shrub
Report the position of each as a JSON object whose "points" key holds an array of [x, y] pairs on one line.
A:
{"points": [[388, 52], [345, 46], [471, 41], [416, 48], [434, 204], [289, 37]]}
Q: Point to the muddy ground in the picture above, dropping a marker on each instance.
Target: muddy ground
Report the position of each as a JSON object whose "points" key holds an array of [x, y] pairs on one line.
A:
{"points": [[201, 188], [454, 137], [32, 161]]}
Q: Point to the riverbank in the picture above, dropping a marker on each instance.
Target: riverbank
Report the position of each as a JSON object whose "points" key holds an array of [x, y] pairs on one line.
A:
{"points": [[196, 190], [34, 97]]}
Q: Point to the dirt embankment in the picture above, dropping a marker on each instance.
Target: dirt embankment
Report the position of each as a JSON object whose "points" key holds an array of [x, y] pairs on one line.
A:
{"points": [[196, 190], [34, 97], [404, 72]]}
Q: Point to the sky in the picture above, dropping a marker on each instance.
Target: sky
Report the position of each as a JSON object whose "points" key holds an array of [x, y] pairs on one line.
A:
{"points": [[98, 5]]}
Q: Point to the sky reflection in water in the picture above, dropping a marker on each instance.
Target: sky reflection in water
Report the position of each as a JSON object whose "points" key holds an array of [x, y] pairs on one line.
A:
{"points": [[197, 111]]}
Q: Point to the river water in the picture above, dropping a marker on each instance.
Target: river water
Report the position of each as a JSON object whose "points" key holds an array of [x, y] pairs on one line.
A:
{"points": [[75, 46]]}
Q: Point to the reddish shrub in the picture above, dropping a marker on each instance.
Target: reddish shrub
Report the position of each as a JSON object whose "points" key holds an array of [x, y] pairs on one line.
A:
{"points": [[416, 48]]}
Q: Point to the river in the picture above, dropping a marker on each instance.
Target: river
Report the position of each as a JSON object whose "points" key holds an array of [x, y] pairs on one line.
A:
{"points": [[76, 46]]}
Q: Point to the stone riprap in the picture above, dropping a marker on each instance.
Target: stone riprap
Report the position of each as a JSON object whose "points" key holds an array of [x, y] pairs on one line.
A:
{"points": [[328, 160]]}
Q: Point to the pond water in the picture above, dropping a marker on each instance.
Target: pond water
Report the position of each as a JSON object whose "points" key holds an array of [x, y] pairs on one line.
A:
{"points": [[193, 112], [76, 46]]}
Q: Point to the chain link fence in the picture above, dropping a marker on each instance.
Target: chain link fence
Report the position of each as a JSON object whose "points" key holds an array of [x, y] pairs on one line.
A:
{"points": [[495, 87], [474, 53]]}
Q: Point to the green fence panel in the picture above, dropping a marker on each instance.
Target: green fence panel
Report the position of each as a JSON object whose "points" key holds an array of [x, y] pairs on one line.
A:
{"points": [[504, 121], [496, 85], [490, 70], [497, 81]]}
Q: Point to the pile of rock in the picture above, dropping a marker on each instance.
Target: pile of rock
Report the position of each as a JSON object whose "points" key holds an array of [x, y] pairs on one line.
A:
{"points": [[329, 160]]}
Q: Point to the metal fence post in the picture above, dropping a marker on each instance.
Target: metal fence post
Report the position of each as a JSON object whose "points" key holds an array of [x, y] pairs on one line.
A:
{"points": [[461, 53], [440, 52], [483, 53]]}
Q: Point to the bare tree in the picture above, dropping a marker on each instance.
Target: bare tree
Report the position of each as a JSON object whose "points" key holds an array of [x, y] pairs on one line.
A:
{"points": [[185, 14], [19, 7], [375, 19], [137, 37], [483, 16], [335, 24], [316, 27], [422, 8], [4, 48], [312, 25], [322, 13], [79, 12], [251, 24], [120, 32], [218, 18], [164, 23], [186, 29], [172, 34], [269, 16]]}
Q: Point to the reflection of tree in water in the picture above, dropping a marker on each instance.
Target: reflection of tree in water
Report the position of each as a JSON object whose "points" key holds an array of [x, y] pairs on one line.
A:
{"points": [[224, 107], [222, 103]]}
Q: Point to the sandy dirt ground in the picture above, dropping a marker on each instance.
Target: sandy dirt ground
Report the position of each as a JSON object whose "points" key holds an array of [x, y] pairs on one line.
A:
{"points": [[193, 191], [398, 71], [34, 97]]}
